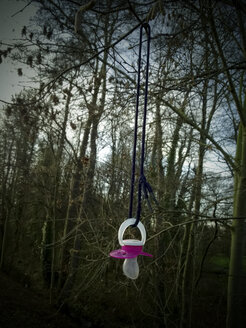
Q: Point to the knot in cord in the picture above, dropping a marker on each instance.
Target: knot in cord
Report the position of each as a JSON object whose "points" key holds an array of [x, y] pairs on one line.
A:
{"points": [[144, 186], [147, 190]]}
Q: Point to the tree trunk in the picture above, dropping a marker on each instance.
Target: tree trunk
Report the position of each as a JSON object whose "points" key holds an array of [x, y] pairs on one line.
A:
{"points": [[237, 277], [95, 113], [58, 160], [171, 183], [157, 156], [189, 264]]}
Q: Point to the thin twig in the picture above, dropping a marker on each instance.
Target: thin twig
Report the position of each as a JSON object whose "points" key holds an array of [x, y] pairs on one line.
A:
{"points": [[193, 221], [134, 12], [206, 252], [21, 10]]}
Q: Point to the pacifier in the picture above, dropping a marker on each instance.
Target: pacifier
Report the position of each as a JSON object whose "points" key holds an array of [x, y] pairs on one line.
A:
{"points": [[130, 249]]}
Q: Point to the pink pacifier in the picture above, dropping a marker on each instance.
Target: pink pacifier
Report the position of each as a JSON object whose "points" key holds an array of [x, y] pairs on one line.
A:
{"points": [[130, 249]]}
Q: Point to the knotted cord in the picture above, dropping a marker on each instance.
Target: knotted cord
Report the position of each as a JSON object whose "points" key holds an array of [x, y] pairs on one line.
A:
{"points": [[143, 185]]}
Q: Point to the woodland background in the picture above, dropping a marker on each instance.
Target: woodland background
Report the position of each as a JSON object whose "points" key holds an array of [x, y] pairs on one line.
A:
{"points": [[65, 159]]}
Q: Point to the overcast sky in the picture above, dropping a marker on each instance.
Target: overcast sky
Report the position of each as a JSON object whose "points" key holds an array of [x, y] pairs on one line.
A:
{"points": [[10, 28]]}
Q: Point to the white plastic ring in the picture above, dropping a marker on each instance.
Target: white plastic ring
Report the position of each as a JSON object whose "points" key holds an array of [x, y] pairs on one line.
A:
{"points": [[125, 225]]}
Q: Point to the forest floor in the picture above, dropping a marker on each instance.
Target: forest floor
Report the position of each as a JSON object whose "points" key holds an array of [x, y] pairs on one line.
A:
{"points": [[21, 307]]}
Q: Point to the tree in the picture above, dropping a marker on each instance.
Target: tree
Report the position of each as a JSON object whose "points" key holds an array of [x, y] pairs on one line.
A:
{"points": [[235, 295]]}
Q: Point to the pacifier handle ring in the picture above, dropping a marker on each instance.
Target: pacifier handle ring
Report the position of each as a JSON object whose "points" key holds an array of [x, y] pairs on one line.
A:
{"points": [[126, 224]]}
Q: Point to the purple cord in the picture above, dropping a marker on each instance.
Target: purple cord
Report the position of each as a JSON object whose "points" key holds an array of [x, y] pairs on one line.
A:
{"points": [[143, 184]]}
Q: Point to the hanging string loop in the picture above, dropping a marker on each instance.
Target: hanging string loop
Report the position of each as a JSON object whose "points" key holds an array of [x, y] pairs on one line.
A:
{"points": [[143, 185]]}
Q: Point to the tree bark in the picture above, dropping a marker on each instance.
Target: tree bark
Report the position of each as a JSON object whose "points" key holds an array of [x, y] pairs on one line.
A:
{"points": [[237, 278]]}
